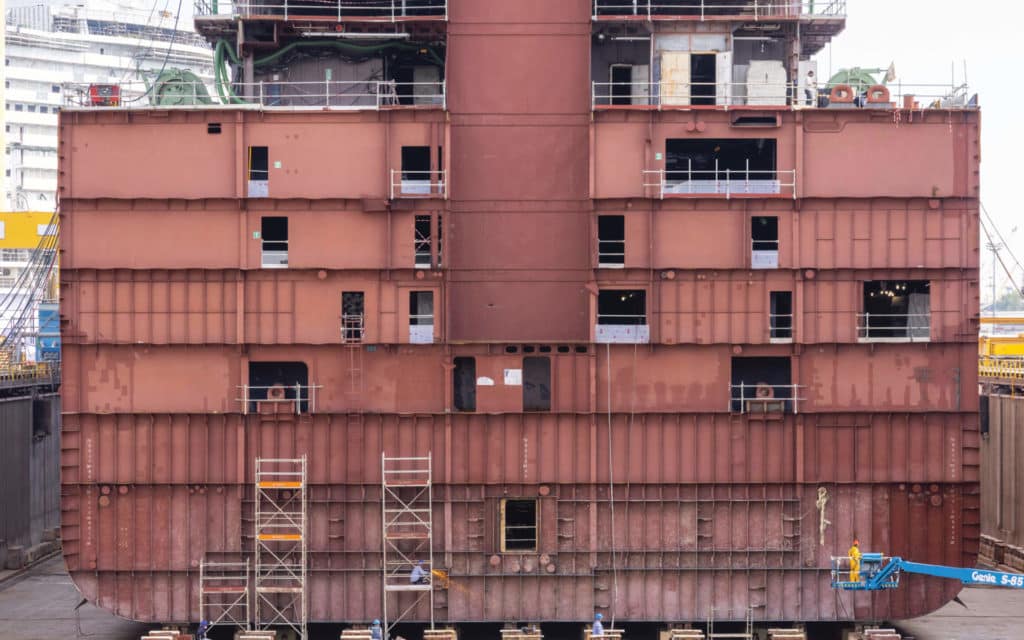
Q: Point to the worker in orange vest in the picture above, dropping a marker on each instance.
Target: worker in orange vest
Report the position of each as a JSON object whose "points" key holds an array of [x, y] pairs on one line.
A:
{"points": [[854, 554]]}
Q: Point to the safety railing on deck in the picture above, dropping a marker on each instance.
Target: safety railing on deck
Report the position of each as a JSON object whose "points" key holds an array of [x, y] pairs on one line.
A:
{"points": [[720, 182], [1001, 368], [712, 9], [25, 374], [321, 94], [894, 327], [418, 184], [622, 329], [376, 10], [764, 397], [295, 398], [675, 95]]}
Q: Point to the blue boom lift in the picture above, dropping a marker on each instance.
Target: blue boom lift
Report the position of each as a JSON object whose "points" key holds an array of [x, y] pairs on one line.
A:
{"points": [[879, 572]]}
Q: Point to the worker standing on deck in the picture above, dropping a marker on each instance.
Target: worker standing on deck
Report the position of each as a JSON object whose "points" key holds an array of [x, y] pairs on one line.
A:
{"points": [[854, 554], [418, 575], [598, 628], [204, 628], [376, 633]]}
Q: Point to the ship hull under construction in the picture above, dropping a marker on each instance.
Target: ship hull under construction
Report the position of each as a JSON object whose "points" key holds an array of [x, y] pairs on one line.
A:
{"points": [[631, 430]]}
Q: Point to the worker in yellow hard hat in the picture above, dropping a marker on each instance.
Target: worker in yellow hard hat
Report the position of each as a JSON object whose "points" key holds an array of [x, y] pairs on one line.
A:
{"points": [[854, 554]]}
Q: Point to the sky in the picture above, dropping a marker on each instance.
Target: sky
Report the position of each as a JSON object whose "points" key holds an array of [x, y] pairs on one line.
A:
{"points": [[930, 41]]}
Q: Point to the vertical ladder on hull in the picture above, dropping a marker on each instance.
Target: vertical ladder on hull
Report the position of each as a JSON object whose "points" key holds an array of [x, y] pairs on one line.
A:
{"points": [[280, 543], [407, 535], [224, 593]]}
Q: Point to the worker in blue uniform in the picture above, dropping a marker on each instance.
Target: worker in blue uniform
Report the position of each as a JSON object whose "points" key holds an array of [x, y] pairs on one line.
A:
{"points": [[376, 633], [204, 628], [598, 628], [418, 575]]}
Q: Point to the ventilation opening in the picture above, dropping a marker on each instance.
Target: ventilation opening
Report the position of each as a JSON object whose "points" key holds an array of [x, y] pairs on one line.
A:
{"points": [[276, 386], [274, 235], [755, 120], [762, 385], [764, 242], [537, 383], [213, 127], [518, 525], [781, 315], [611, 241], [896, 310], [464, 384], [353, 316]]}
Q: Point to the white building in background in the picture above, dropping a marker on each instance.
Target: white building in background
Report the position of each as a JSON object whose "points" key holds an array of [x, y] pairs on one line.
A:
{"points": [[56, 49]]}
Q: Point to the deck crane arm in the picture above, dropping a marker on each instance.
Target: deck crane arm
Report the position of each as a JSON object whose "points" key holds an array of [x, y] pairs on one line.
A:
{"points": [[879, 572]]}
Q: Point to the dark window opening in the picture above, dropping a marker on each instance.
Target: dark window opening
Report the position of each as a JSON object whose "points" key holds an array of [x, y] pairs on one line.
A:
{"points": [[278, 383], [274, 234], [537, 383], [732, 159], [622, 83], [581, 349], [896, 309], [415, 163], [764, 233], [440, 227], [422, 240], [259, 163], [421, 308], [43, 418], [529, 349], [564, 348], [213, 127], [623, 307], [781, 314], [544, 349], [702, 78], [353, 318], [518, 525], [511, 349], [464, 384], [762, 385], [747, 120], [611, 241]]}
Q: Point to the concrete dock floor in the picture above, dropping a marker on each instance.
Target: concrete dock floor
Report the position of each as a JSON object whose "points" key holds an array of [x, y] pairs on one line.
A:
{"points": [[39, 605]]}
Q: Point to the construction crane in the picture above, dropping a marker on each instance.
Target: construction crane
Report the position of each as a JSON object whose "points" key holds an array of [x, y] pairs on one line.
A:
{"points": [[878, 572]]}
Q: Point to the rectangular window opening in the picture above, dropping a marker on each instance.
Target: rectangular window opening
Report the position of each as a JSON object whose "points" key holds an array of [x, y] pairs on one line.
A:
{"points": [[259, 172], [415, 163], [764, 242], [781, 315], [422, 242], [762, 385], [721, 166], [213, 127], [703, 78], [274, 387], [611, 241], [274, 235], [518, 525], [622, 307], [622, 83], [353, 316], [421, 317], [464, 384], [537, 383], [898, 310]]}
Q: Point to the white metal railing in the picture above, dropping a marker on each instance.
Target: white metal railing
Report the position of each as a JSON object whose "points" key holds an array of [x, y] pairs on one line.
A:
{"points": [[303, 397], [763, 397], [318, 94], [710, 9], [421, 328], [720, 182], [353, 327], [418, 184], [925, 96], [780, 326], [611, 253], [687, 94], [391, 10], [894, 327]]}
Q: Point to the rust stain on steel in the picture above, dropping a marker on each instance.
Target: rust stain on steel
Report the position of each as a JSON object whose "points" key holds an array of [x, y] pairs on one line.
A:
{"points": [[711, 507]]}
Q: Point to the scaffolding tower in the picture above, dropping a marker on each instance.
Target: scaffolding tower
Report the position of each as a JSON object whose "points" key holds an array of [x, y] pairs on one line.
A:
{"points": [[280, 544], [407, 536], [224, 593]]}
